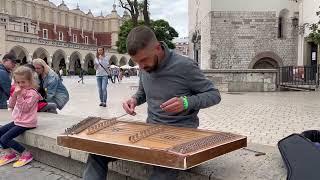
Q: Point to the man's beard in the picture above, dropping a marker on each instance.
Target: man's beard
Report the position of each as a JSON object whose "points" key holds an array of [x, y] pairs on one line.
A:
{"points": [[155, 65]]}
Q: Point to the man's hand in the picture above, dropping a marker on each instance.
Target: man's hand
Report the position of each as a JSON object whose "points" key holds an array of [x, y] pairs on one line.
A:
{"points": [[174, 105], [129, 106]]}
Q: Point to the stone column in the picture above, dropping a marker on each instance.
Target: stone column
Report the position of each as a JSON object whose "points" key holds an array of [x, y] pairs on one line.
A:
{"points": [[114, 39], [83, 65], [29, 58], [67, 64], [50, 62], [115, 24]]}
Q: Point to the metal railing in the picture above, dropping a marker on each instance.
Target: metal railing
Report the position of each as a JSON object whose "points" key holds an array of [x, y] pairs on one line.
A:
{"points": [[299, 75]]}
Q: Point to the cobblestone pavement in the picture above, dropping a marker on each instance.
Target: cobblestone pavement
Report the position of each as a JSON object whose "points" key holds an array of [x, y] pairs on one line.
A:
{"points": [[264, 117], [34, 171]]}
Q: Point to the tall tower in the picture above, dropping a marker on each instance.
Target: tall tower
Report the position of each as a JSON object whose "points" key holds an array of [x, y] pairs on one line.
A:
{"points": [[114, 27]]}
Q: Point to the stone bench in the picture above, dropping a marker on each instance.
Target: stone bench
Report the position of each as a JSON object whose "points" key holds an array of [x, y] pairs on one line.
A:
{"points": [[240, 164]]}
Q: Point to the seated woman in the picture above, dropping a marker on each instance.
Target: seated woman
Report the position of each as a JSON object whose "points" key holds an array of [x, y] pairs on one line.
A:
{"points": [[43, 106], [51, 84]]}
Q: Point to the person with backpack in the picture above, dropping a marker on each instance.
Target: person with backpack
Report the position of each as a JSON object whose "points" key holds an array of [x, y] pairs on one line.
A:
{"points": [[7, 65]]}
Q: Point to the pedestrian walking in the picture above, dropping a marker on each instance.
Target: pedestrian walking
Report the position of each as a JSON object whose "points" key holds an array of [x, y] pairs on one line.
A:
{"points": [[81, 75], [101, 65]]}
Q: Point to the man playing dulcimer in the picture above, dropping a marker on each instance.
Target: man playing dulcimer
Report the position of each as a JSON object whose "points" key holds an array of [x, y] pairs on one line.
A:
{"points": [[174, 88]]}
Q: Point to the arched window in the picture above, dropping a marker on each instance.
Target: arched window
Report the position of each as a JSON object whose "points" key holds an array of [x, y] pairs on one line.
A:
{"points": [[266, 63], [282, 23]]}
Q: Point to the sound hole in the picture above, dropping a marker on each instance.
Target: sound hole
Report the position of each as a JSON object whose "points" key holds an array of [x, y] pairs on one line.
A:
{"points": [[116, 129], [169, 137]]}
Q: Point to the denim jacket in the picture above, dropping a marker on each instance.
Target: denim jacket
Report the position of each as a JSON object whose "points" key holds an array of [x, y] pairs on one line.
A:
{"points": [[5, 83], [55, 90]]}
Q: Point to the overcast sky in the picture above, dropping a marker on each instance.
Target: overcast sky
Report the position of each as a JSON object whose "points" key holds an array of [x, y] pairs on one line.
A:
{"points": [[174, 11]]}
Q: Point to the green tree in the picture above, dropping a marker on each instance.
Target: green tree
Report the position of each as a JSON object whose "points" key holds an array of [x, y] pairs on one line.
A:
{"points": [[145, 11], [314, 35], [134, 7], [164, 32], [162, 29]]}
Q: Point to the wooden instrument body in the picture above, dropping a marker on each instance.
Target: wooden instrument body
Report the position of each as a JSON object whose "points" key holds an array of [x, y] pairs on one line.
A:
{"points": [[168, 146]]}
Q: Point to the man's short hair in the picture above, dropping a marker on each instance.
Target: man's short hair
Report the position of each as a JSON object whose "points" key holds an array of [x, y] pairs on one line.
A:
{"points": [[139, 38], [9, 57]]}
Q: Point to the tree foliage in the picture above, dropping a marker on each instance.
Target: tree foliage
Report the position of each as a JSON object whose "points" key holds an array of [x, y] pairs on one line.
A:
{"points": [[135, 7], [314, 36], [145, 12], [162, 29], [124, 31]]}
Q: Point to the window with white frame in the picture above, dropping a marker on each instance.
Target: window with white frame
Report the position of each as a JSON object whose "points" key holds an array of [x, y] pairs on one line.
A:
{"points": [[60, 36], [86, 40], [74, 38], [45, 33]]}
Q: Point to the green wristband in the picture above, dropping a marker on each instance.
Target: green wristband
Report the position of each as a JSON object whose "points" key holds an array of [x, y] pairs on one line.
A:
{"points": [[185, 102]]}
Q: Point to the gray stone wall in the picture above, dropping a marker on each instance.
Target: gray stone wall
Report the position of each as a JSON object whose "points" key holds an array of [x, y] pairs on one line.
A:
{"points": [[245, 80], [238, 37]]}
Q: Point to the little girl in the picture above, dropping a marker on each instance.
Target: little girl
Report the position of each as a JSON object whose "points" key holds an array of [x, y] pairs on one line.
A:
{"points": [[24, 115]]}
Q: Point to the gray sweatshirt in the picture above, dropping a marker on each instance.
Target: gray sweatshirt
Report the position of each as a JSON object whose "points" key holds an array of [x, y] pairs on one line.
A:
{"points": [[99, 70], [176, 76]]}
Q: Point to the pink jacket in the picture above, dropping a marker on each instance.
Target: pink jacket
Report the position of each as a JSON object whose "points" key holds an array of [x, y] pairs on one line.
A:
{"points": [[25, 106]]}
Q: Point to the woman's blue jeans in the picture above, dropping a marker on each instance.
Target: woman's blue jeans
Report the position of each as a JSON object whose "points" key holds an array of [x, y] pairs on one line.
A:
{"points": [[102, 88]]}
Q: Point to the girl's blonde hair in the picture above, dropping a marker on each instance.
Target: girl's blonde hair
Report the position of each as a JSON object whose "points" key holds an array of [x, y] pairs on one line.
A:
{"points": [[27, 73], [42, 63]]}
